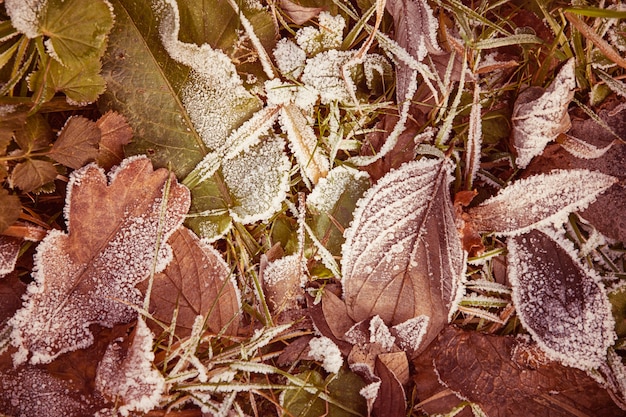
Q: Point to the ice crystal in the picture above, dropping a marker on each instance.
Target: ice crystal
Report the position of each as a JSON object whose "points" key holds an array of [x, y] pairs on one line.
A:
{"points": [[323, 349], [25, 15], [324, 73], [328, 36], [340, 180], [290, 58]]}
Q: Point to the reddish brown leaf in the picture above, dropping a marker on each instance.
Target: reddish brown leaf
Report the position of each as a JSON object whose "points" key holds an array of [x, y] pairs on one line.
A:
{"points": [[89, 275], [116, 133], [32, 174], [489, 371], [391, 400], [11, 209], [198, 282], [77, 143], [299, 14], [9, 249]]}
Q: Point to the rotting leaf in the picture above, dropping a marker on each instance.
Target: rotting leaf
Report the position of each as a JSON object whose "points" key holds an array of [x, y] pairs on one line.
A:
{"points": [[561, 304], [126, 376], [514, 210], [196, 282], [32, 174], [11, 209], [117, 233], [115, 134], [506, 376], [402, 257], [540, 116], [77, 143]]}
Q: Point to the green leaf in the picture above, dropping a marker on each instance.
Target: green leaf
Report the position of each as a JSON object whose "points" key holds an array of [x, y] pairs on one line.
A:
{"points": [[11, 209], [76, 31], [80, 81], [343, 398], [143, 84], [77, 142], [32, 174]]}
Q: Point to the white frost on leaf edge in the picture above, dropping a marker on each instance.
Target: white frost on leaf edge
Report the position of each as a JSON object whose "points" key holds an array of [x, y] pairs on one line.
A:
{"points": [[325, 350], [25, 15], [328, 190]]}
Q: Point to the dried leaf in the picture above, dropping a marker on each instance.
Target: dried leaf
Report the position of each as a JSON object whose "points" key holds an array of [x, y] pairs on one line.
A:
{"points": [[196, 282], [498, 374], [9, 249], [77, 143], [32, 174], [34, 135], [561, 304], [115, 134], [11, 209], [514, 210], [540, 116], [126, 376], [402, 257], [88, 276], [283, 283], [299, 14], [391, 399]]}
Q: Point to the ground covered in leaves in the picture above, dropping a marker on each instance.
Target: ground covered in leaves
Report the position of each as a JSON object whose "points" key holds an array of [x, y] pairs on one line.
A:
{"points": [[312, 207]]}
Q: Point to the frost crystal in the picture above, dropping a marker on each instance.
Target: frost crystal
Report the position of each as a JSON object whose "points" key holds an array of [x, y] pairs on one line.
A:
{"points": [[328, 36], [280, 93], [324, 73], [25, 15], [410, 333], [379, 333], [328, 190], [323, 349], [290, 58]]}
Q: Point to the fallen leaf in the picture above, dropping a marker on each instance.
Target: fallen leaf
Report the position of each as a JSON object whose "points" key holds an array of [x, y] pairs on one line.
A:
{"points": [[32, 174], [299, 14], [539, 116], [402, 257], [115, 134], [561, 303], [126, 375], [514, 210], [283, 283], [496, 373], [196, 282], [77, 142], [9, 249], [88, 275], [11, 209], [391, 399]]}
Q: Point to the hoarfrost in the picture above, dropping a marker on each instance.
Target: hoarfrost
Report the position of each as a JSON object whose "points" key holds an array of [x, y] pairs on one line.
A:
{"points": [[258, 180], [328, 36], [9, 250], [325, 350], [328, 190], [129, 375], [25, 15], [379, 333], [324, 73], [290, 58], [539, 201], [540, 116], [561, 303], [281, 93], [409, 334]]}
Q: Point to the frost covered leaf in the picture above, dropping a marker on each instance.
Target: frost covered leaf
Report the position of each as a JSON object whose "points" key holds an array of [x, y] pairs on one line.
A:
{"points": [[333, 201], [515, 210], [540, 116], [32, 174], [196, 282], [125, 374], [416, 31], [402, 257], [561, 304], [115, 134], [519, 380], [88, 275], [11, 209], [9, 249], [77, 143], [283, 282]]}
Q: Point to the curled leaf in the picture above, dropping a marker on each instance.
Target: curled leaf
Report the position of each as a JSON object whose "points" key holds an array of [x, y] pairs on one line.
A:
{"points": [[402, 257], [117, 230], [561, 304]]}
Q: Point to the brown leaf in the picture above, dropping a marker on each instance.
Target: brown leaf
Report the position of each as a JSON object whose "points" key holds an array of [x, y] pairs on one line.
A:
{"points": [[11, 209], [35, 134], [391, 399], [402, 257], [561, 303], [299, 14], [126, 376], [89, 275], [32, 174], [77, 143], [116, 133], [198, 282], [11, 291], [9, 249], [490, 371]]}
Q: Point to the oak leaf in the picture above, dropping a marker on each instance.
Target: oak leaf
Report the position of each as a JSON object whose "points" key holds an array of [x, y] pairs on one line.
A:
{"points": [[196, 282], [117, 233], [402, 257]]}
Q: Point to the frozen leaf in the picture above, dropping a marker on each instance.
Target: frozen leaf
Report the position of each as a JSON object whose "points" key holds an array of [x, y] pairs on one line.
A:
{"points": [[115, 134], [540, 116], [514, 210], [561, 303], [32, 174], [75, 31], [299, 14], [329, 35], [77, 143], [290, 58], [582, 149], [324, 73], [415, 31], [89, 275], [508, 377], [402, 257], [9, 249], [25, 15], [126, 376], [283, 283], [304, 144], [196, 282], [324, 350], [11, 209], [391, 399]]}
